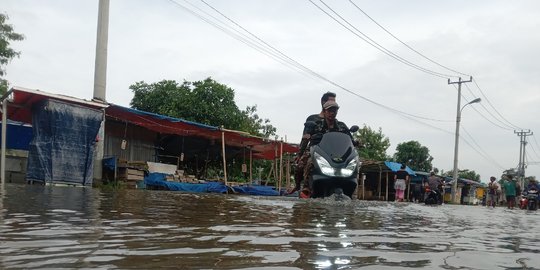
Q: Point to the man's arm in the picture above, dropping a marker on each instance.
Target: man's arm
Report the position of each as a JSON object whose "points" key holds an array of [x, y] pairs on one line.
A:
{"points": [[305, 135]]}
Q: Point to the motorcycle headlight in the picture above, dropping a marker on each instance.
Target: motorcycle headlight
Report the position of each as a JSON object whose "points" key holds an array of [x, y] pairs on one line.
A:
{"points": [[328, 170], [349, 170]]}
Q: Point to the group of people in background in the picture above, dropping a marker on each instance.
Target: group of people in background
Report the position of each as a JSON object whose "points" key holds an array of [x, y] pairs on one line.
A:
{"points": [[508, 192]]}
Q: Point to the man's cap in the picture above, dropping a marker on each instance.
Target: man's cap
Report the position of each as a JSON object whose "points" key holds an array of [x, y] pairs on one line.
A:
{"points": [[329, 104], [432, 173], [492, 178]]}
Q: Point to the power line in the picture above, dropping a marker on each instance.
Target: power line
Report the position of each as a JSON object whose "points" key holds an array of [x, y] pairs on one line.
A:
{"points": [[405, 44], [239, 36], [374, 44], [291, 62], [533, 146], [483, 116], [427, 58], [495, 109], [298, 65], [482, 152]]}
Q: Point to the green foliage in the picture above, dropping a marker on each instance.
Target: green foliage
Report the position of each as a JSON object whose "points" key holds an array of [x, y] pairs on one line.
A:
{"points": [[414, 155], [465, 174], [6, 52], [373, 144], [207, 102], [253, 124], [3, 86]]}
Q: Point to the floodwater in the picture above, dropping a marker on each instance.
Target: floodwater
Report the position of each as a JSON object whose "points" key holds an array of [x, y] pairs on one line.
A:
{"points": [[66, 228]]}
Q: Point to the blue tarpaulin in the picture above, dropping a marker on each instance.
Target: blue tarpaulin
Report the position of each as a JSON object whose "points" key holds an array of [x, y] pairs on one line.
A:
{"points": [[158, 180], [256, 190], [18, 135], [394, 166], [109, 163], [62, 148]]}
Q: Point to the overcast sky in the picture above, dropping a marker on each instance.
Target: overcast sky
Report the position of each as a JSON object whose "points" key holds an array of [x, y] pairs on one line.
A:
{"points": [[497, 42]]}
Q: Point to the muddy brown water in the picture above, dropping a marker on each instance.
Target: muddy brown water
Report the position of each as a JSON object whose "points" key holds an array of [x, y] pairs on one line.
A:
{"points": [[84, 228]]}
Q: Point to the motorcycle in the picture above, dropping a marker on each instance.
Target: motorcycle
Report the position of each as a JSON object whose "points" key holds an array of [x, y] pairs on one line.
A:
{"points": [[532, 199], [432, 196], [335, 164], [523, 200]]}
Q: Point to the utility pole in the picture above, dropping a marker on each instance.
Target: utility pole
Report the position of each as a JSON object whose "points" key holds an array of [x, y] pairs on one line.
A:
{"points": [[100, 81], [456, 143], [522, 143]]}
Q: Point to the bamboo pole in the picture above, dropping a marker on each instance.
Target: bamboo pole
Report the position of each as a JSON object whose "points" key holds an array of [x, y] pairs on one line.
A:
{"points": [[250, 165], [280, 164], [386, 186], [276, 165], [269, 174], [379, 188], [4, 133], [288, 172], [223, 153]]}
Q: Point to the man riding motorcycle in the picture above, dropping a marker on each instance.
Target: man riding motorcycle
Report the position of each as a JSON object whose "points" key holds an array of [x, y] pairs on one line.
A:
{"points": [[315, 129]]}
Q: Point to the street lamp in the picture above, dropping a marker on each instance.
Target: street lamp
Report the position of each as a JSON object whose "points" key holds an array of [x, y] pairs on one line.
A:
{"points": [[458, 120]]}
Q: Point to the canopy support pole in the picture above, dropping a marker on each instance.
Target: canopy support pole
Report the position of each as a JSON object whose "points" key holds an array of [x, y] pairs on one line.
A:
{"points": [[250, 165], [386, 186], [223, 154], [280, 165], [4, 132]]}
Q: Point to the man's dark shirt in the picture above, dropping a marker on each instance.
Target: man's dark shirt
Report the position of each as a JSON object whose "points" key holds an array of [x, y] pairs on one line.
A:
{"points": [[434, 182], [321, 128]]}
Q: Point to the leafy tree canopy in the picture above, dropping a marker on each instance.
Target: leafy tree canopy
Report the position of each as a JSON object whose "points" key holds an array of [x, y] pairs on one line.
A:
{"points": [[207, 102], [373, 143], [414, 155], [6, 52]]}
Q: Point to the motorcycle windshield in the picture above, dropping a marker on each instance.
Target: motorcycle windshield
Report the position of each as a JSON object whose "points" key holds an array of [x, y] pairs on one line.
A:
{"points": [[336, 145]]}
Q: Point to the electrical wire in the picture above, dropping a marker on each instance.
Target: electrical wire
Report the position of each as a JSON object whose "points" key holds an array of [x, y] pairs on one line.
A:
{"points": [[405, 44], [506, 127], [238, 36], [533, 147], [535, 142], [483, 152], [374, 44], [290, 62], [512, 126], [296, 64], [476, 110], [493, 107]]}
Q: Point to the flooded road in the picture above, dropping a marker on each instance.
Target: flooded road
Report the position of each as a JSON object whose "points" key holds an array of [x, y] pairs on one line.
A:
{"points": [[62, 227]]}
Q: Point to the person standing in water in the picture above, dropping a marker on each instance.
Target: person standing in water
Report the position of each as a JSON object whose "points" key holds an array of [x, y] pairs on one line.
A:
{"points": [[400, 183]]}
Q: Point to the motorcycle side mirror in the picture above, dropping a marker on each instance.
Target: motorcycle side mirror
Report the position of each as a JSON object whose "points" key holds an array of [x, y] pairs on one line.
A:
{"points": [[354, 129]]}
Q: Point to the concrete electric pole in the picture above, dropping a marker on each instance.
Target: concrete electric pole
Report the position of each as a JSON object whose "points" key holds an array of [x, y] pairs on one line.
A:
{"points": [[456, 143], [100, 81], [522, 143]]}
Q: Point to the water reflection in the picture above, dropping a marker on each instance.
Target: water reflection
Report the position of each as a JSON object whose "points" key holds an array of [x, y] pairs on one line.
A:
{"points": [[56, 227]]}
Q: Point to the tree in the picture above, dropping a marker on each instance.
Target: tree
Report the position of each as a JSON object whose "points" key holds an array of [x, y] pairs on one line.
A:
{"points": [[253, 124], [414, 155], [6, 52], [465, 174], [373, 143], [207, 102]]}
